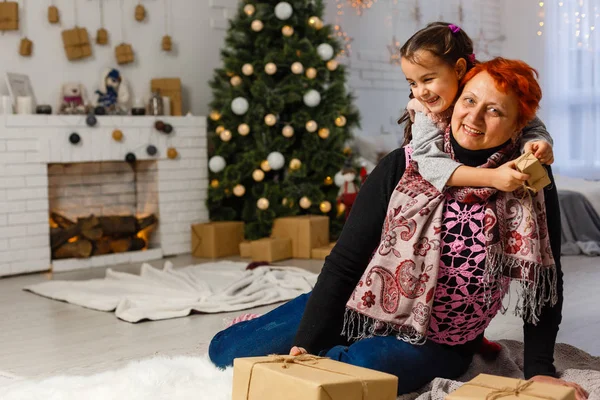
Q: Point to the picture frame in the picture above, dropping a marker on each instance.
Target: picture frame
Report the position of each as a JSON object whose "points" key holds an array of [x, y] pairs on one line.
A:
{"points": [[19, 85]]}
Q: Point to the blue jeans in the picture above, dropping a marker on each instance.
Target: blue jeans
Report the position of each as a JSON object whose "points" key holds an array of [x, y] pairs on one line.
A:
{"points": [[274, 333]]}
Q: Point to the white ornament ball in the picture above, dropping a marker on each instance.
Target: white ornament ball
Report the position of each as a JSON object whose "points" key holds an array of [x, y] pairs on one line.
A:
{"points": [[287, 131], [257, 25], [312, 98], [243, 129], [311, 126], [297, 68], [247, 69], [262, 203], [338, 179], [325, 51], [276, 160], [239, 190], [283, 10], [239, 105], [270, 119], [216, 164], [305, 202], [270, 68]]}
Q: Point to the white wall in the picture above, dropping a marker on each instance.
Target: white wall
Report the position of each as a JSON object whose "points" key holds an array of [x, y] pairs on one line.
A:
{"points": [[520, 21], [196, 31]]}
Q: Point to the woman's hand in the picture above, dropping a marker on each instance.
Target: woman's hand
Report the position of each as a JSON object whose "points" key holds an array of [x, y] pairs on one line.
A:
{"points": [[297, 351], [580, 393], [542, 150], [506, 178]]}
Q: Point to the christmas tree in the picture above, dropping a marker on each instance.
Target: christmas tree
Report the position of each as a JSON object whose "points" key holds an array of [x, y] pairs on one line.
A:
{"points": [[281, 117]]}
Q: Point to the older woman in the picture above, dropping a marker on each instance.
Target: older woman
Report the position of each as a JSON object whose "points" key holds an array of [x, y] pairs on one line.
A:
{"points": [[417, 275]]}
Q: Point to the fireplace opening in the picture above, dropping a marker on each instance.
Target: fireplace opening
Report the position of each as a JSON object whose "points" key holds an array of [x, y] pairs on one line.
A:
{"points": [[102, 208]]}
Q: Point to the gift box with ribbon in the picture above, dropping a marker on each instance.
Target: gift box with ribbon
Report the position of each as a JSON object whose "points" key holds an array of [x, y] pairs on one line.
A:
{"points": [[490, 387], [9, 16], [538, 177], [308, 377], [77, 43]]}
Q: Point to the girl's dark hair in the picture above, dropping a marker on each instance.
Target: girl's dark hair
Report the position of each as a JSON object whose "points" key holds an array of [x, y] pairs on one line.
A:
{"points": [[445, 41]]}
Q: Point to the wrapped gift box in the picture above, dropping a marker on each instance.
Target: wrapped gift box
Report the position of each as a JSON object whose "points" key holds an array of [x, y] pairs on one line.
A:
{"points": [[271, 249], [124, 54], [9, 16], [307, 232], [77, 43], [538, 177], [506, 388], [170, 87], [246, 249], [271, 378], [322, 252], [217, 239]]}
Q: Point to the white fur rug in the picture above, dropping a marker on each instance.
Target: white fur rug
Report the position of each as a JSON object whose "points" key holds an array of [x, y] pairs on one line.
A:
{"points": [[157, 294], [187, 378]]}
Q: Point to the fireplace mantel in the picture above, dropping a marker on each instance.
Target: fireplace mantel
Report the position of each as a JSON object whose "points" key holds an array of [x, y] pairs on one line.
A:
{"points": [[28, 143]]}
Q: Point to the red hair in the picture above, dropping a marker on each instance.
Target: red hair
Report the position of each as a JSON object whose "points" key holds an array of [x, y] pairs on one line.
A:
{"points": [[513, 76]]}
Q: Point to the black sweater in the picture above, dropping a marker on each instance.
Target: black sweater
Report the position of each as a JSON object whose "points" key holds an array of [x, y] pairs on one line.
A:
{"points": [[323, 317]]}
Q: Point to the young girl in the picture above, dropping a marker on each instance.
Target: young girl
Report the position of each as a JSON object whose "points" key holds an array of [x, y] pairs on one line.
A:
{"points": [[434, 60]]}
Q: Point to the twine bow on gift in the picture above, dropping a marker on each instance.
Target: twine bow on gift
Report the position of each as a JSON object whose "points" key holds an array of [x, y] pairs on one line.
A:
{"points": [[287, 360], [521, 388]]}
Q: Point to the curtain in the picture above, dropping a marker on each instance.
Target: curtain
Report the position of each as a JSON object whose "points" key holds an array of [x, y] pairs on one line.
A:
{"points": [[572, 84]]}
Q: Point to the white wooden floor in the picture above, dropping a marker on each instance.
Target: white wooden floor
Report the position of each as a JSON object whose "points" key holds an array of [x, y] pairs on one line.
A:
{"points": [[41, 337]]}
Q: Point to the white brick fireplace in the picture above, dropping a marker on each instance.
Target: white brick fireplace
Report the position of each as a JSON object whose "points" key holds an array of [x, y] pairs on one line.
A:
{"points": [[40, 168]]}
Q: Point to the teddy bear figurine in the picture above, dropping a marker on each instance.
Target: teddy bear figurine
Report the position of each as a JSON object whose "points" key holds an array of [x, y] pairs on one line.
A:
{"points": [[73, 99], [113, 94]]}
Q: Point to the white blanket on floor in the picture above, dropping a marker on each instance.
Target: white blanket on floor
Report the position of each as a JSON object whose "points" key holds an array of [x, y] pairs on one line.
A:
{"points": [[170, 293], [195, 378]]}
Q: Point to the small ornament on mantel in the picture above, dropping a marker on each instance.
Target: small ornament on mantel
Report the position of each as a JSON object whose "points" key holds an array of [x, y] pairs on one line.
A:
{"points": [[140, 12], [53, 14], [102, 33]]}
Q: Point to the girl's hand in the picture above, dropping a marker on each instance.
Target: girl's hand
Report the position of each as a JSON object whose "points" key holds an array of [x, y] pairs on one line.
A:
{"points": [[580, 393], [414, 106], [507, 179], [542, 150], [297, 351]]}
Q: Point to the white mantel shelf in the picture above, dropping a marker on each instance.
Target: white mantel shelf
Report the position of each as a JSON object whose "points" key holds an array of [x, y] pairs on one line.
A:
{"points": [[28, 143]]}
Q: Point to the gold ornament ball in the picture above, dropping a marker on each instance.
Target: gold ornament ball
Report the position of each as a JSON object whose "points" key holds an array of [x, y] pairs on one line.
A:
{"points": [[264, 165], [249, 9], [284, 202], [214, 183], [340, 121], [287, 131], [311, 73], [244, 129], [227, 192], [262, 203], [258, 175], [347, 151], [270, 68], [295, 164], [332, 65], [325, 207], [328, 181], [270, 119], [313, 21], [239, 190], [341, 208], [226, 135], [319, 24], [311, 126], [235, 81], [297, 68], [215, 115], [287, 31], [247, 69], [305, 202], [324, 133], [219, 129], [257, 25], [117, 135], [172, 153]]}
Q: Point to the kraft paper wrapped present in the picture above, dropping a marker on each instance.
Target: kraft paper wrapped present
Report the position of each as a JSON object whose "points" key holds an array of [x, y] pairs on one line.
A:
{"points": [[490, 387], [308, 378], [246, 249], [170, 87], [322, 252], [124, 54], [9, 16], [77, 43], [538, 177], [306, 231], [217, 239], [271, 249]]}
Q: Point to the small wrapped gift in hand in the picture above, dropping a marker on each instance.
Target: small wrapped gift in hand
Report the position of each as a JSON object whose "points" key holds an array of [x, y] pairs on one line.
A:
{"points": [[538, 177]]}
